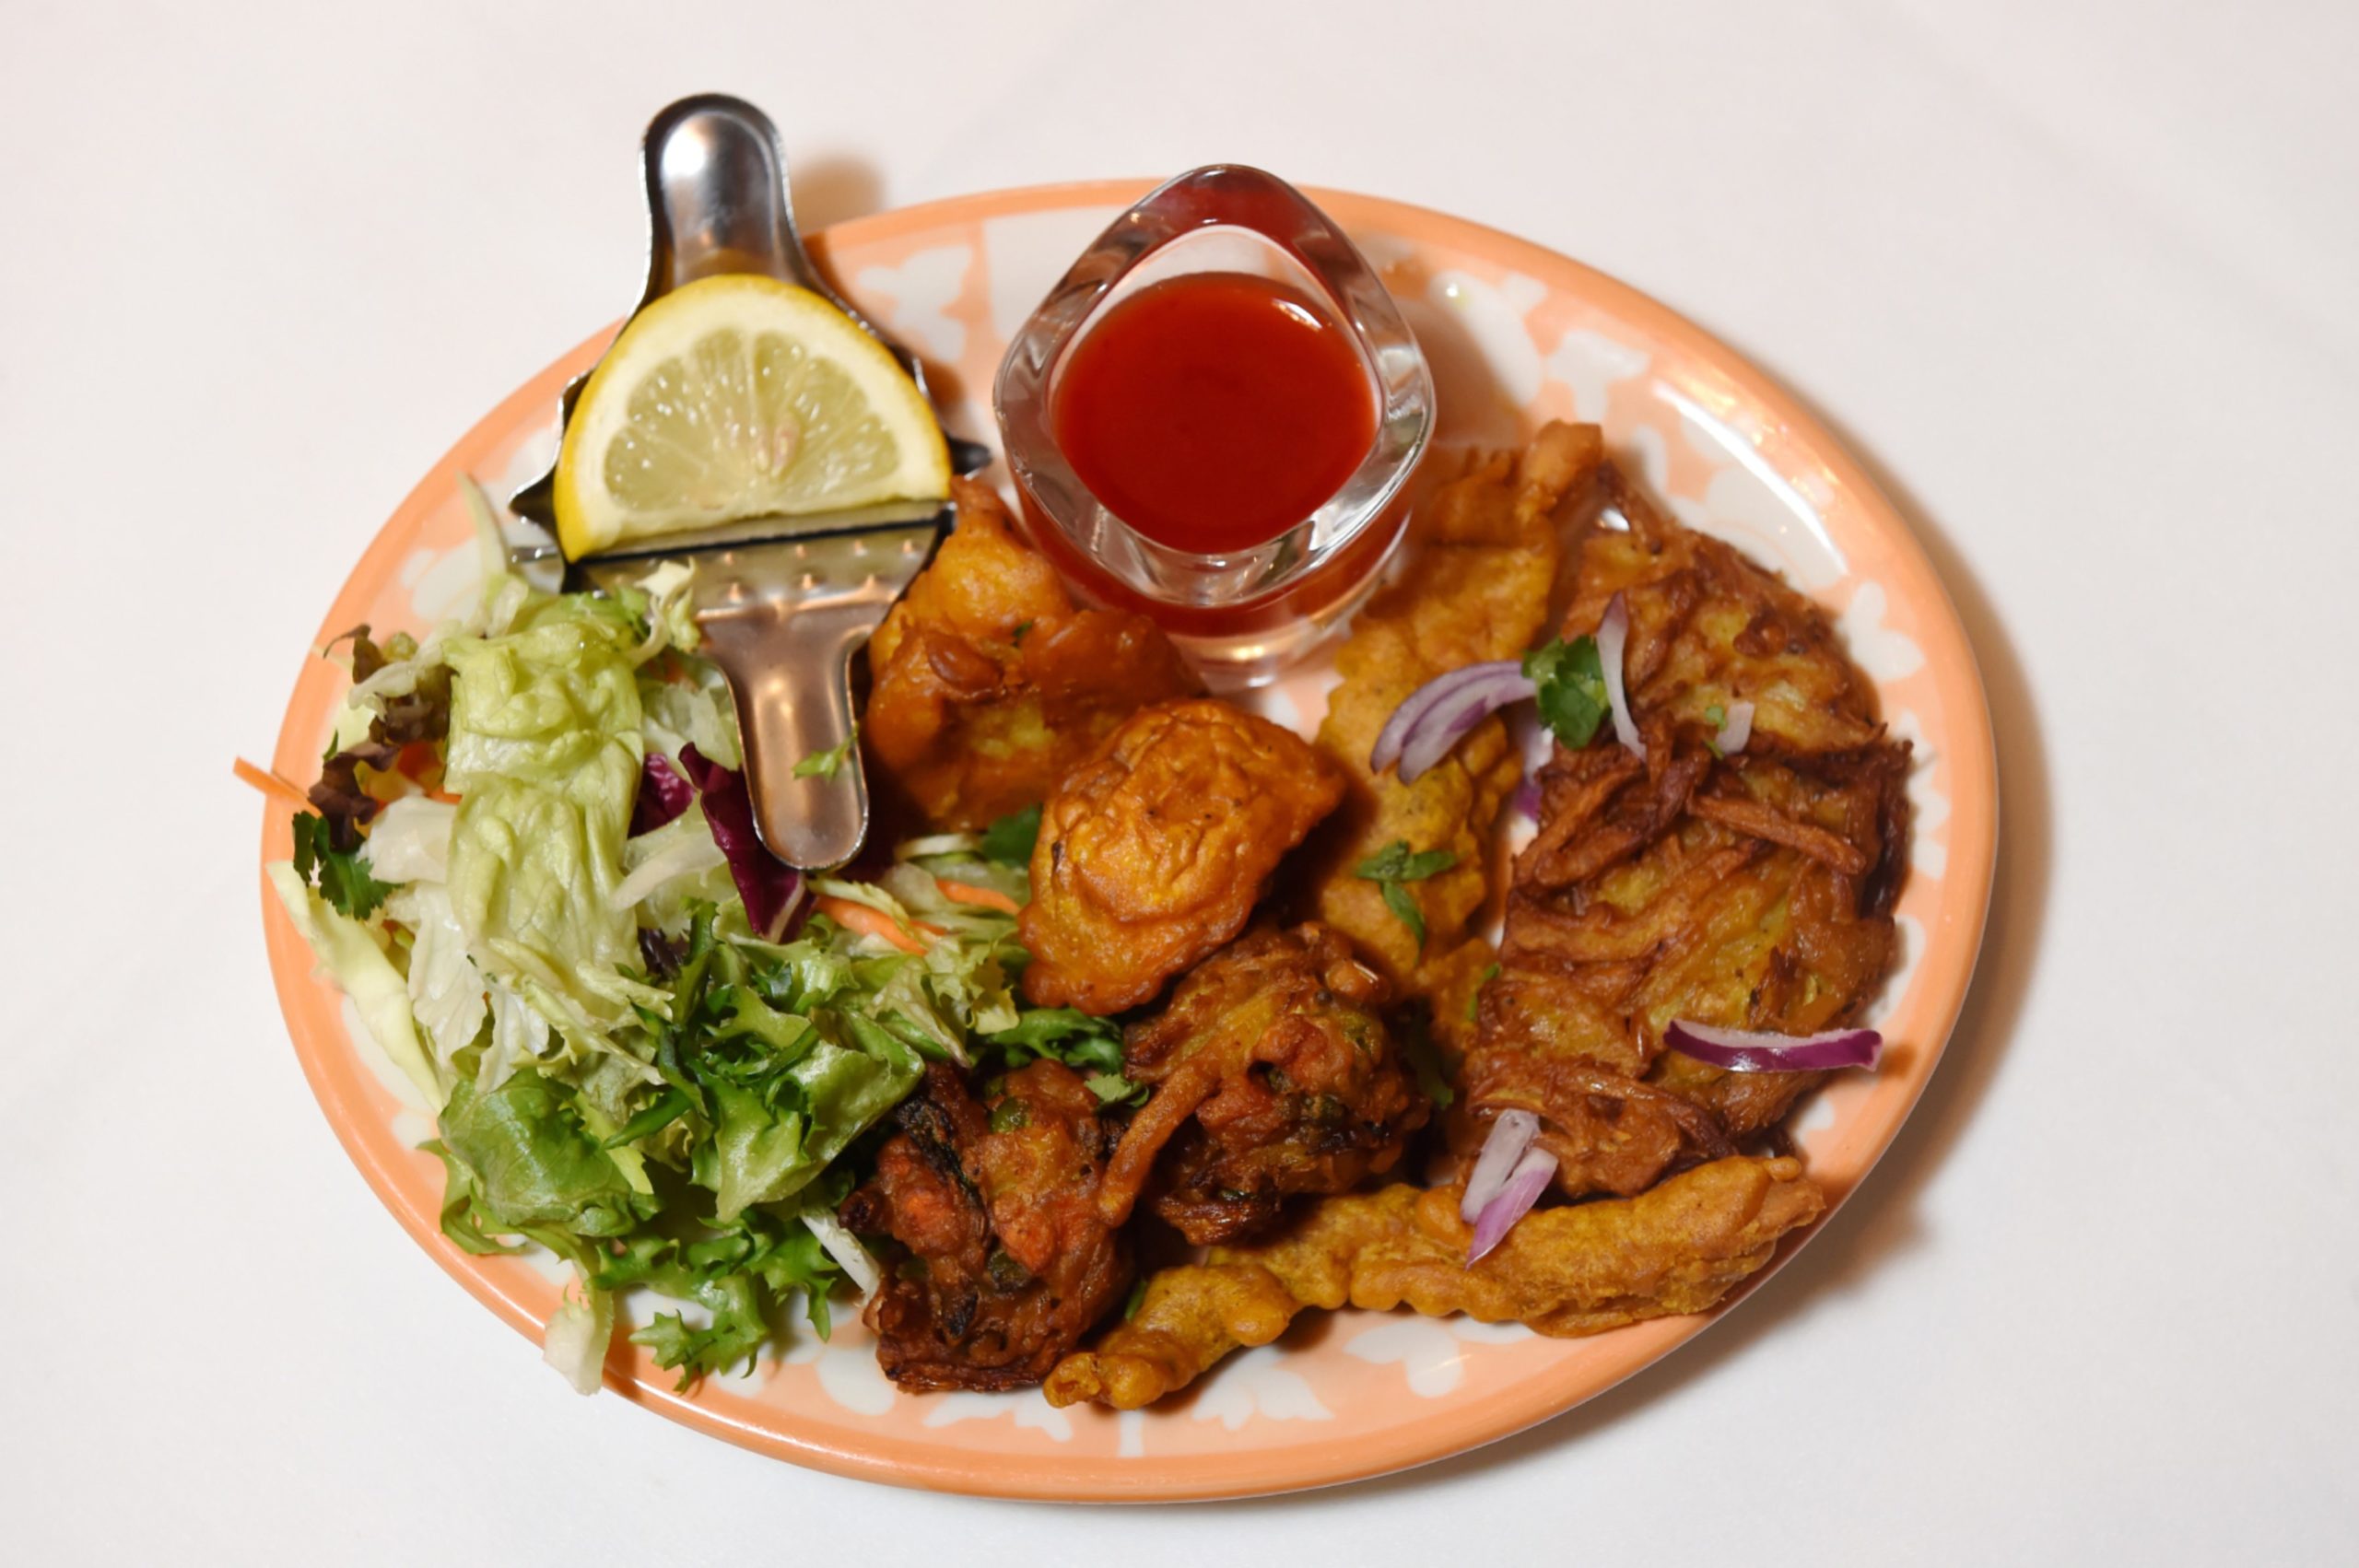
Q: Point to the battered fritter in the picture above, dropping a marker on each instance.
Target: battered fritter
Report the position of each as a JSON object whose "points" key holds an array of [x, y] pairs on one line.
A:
{"points": [[1153, 852], [990, 685], [1273, 1076]]}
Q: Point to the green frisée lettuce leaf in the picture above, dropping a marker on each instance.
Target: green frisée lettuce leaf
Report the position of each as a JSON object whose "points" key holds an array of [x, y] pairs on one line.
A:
{"points": [[740, 1274], [769, 1144], [1091, 1047]]}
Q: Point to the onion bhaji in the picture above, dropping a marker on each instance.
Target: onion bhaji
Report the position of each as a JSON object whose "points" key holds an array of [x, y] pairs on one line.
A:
{"points": [[1567, 1271], [989, 684], [1155, 849], [1752, 891], [995, 1203], [1483, 553], [1273, 1075]]}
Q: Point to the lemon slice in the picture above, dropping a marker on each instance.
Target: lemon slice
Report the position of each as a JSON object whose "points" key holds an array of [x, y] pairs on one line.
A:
{"points": [[737, 397]]}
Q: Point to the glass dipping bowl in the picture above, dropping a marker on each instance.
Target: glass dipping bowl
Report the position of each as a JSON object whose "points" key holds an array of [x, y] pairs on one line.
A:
{"points": [[1241, 615]]}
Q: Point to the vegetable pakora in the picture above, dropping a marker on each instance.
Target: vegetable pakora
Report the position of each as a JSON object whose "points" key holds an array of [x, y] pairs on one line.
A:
{"points": [[1153, 852], [995, 1203], [1273, 1075], [1484, 552], [1750, 890], [989, 684], [1578, 1269]]}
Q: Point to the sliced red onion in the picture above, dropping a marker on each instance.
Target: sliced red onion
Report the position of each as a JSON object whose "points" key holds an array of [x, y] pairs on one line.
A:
{"points": [[1423, 701], [1532, 1173], [1496, 683], [1387, 750], [1755, 1051], [1613, 637], [1736, 731], [1527, 798], [1512, 1134]]}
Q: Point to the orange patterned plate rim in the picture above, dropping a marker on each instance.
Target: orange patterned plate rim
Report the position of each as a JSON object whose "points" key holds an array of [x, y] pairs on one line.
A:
{"points": [[1716, 434]]}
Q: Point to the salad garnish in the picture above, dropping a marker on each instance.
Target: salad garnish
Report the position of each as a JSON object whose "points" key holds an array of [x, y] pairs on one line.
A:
{"points": [[532, 865]]}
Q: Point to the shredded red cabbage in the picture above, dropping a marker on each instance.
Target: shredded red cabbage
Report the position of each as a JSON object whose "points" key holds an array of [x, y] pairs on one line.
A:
{"points": [[768, 885], [662, 795]]}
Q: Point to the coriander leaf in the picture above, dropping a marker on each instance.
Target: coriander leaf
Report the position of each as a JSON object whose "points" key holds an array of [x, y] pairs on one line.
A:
{"points": [[341, 875], [1394, 863], [1016, 636], [1429, 862], [1417, 1048], [827, 764], [1571, 683], [1404, 908], [1010, 840], [1475, 997]]}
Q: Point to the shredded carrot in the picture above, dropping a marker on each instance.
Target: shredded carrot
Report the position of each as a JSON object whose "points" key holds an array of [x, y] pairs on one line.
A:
{"points": [[271, 784], [872, 922], [421, 761], [982, 897]]}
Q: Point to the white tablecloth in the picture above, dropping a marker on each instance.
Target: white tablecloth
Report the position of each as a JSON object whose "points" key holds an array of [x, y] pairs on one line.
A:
{"points": [[2078, 282]]}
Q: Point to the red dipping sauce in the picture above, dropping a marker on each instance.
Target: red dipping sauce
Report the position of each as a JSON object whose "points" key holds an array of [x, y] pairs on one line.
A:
{"points": [[1214, 411]]}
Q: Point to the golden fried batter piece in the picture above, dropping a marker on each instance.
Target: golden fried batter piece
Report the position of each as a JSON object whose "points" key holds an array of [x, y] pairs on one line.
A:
{"points": [[989, 684], [1483, 553], [995, 1203], [1568, 1271], [1272, 1076], [1187, 1318], [1155, 849], [1753, 891]]}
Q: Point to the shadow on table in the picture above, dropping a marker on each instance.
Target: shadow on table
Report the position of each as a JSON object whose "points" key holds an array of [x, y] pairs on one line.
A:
{"points": [[1882, 1218]]}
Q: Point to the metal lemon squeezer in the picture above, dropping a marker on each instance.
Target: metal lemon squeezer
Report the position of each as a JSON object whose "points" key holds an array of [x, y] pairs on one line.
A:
{"points": [[784, 603]]}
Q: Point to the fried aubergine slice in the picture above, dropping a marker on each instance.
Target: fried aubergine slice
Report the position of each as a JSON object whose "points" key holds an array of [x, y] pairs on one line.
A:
{"points": [[1272, 1076], [993, 1203], [989, 683], [1155, 849], [1753, 890], [1568, 1271], [1483, 553]]}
